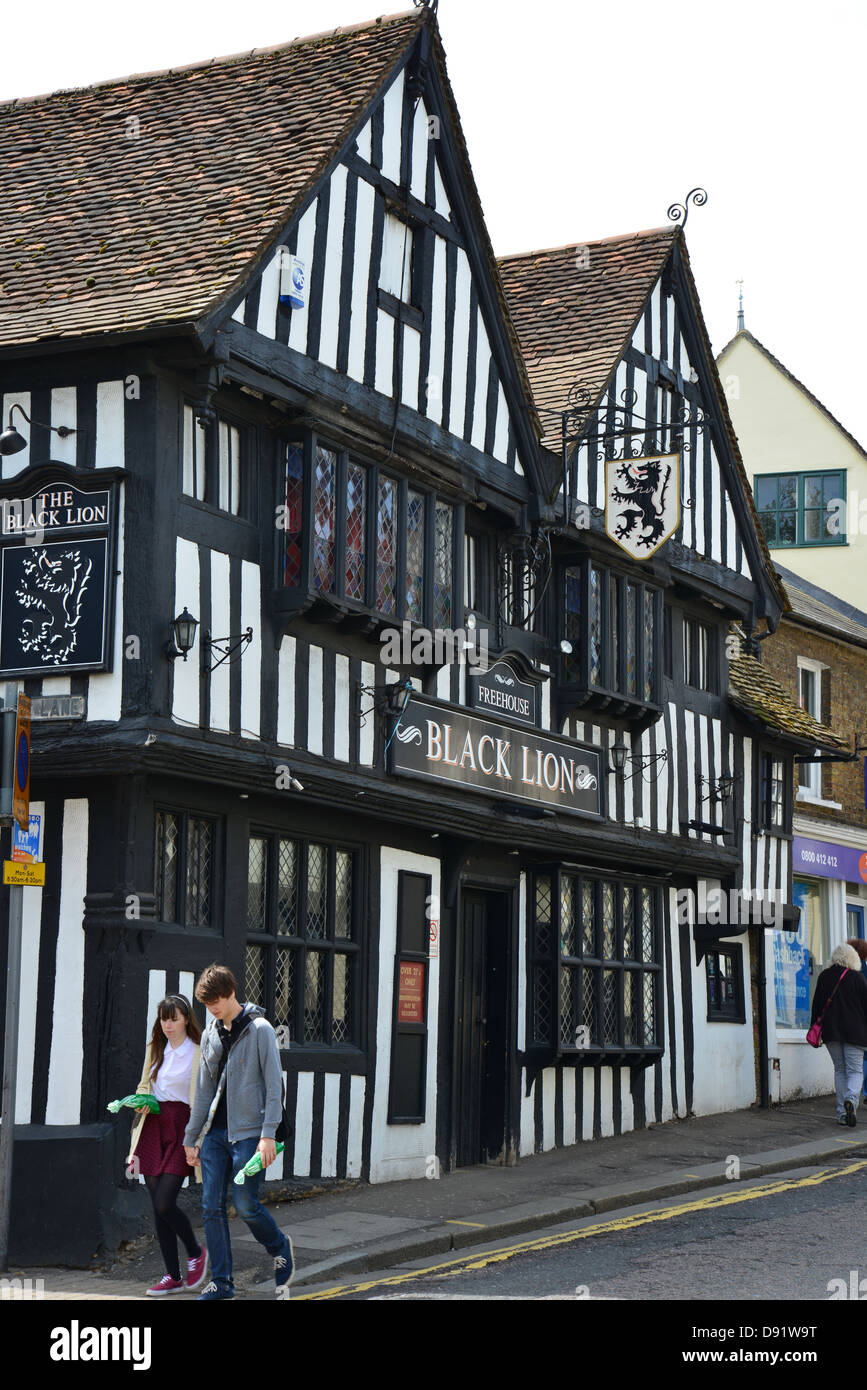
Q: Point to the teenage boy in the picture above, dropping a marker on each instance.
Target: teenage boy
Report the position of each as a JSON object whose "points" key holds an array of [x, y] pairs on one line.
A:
{"points": [[237, 1108]]}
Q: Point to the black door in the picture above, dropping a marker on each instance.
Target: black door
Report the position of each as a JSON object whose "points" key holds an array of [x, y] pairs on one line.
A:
{"points": [[482, 1029]]}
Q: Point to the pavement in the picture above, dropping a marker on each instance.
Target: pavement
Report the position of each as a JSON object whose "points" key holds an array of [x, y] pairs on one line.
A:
{"points": [[356, 1228]]}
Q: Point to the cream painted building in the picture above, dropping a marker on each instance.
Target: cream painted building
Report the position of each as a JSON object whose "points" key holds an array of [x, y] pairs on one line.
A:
{"points": [[809, 475]]}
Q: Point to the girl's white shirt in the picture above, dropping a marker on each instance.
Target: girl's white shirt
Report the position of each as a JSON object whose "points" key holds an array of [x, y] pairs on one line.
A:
{"points": [[172, 1081]]}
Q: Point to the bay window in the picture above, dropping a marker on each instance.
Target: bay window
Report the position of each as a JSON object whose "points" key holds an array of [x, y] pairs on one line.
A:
{"points": [[613, 625], [354, 536]]}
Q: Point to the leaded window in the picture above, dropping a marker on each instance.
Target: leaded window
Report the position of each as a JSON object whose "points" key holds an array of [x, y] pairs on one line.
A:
{"points": [[356, 536], [594, 956], [415, 556], [184, 868], [303, 938], [385, 598], [443, 564], [324, 519]]}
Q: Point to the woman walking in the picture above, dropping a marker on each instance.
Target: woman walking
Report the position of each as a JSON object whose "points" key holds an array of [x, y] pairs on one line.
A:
{"points": [[841, 999], [170, 1072]]}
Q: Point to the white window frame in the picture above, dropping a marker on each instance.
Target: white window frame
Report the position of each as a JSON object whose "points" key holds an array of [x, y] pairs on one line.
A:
{"points": [[195, 453], [810, 774], [395, 271], [229, 470]]}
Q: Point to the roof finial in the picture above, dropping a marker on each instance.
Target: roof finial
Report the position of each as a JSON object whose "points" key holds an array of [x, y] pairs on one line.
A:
{"points": [[740, 305], [679, 212]]}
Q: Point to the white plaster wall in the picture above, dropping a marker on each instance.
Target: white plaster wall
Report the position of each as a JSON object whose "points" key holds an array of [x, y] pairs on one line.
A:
{"points": [[724, 1071]]}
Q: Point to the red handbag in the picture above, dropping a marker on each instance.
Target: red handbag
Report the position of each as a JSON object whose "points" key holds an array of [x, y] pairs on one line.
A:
{"points": [[814, 1032]]}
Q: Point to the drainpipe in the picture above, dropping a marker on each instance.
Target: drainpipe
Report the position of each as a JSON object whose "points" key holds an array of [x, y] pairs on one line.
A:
{"points": [[764, 1080]]}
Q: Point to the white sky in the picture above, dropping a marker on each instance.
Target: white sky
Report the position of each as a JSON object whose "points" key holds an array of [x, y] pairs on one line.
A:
{"points": [[585, 121]]}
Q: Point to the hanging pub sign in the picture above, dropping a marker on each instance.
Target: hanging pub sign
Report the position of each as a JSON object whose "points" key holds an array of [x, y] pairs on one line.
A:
{"points": [[642, 502], [501, 690], [56, 573], [442, 744]]}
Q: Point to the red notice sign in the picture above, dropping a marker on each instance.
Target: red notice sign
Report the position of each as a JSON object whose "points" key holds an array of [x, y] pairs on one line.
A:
{"points": [[410, 996]]}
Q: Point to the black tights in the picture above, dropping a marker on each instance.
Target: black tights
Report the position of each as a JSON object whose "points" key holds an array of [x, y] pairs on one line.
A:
{"points": [[170, 1222]]}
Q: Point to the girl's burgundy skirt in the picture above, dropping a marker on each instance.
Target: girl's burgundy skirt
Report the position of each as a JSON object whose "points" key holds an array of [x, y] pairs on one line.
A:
{"points": [[160, 1148]]}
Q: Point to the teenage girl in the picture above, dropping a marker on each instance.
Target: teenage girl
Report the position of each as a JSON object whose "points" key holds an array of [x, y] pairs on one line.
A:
{"points": [[170, 1071]]}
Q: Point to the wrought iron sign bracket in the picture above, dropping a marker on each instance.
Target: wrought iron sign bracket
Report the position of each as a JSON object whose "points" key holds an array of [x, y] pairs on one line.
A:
{"points": [[227, 647]]}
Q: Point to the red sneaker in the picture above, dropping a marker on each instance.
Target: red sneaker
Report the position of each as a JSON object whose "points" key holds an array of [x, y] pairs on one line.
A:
{"points": [[197, 1270], [166, 1285]]}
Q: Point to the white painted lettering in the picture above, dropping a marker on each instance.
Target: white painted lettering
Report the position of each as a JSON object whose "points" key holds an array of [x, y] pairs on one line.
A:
{"points": [[486, 738], [467, 754], [503, 746], [434, 742]]}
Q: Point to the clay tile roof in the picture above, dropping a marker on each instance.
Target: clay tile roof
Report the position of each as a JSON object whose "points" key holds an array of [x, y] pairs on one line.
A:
{"points": [[753, 690], [141, 203], [575, 309]]}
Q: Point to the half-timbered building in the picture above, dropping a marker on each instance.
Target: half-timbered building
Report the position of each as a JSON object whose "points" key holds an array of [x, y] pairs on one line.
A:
{"points": [[270, 376]]}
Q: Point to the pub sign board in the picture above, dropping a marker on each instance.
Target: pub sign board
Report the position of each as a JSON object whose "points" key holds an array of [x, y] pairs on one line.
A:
{"points": [[500, 690], [442, 744], [56, 577]]}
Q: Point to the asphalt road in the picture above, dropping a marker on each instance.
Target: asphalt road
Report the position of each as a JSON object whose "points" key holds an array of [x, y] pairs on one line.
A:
{"points": [[785, 1239]]}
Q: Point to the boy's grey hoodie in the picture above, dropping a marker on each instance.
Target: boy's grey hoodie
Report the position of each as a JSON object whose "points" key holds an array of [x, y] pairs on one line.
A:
{"points": [[252, 1078]]}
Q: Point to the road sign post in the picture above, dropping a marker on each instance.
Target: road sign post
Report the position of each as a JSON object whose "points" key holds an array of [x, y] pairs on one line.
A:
{"points": [[8, 784]]}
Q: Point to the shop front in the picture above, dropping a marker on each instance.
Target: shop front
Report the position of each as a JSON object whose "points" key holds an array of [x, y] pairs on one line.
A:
{"points": [[829, 886]]}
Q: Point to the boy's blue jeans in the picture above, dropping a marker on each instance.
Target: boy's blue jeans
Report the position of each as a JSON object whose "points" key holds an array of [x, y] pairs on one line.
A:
{"points": [[221, 1161]]}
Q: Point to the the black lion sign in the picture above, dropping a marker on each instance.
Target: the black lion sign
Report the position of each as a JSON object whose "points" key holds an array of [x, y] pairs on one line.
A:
{"points": [[642, 502], [52, 614]]}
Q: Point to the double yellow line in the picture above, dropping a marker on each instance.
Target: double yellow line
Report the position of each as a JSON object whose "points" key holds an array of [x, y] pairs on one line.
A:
{"points": [[620, 1223]]}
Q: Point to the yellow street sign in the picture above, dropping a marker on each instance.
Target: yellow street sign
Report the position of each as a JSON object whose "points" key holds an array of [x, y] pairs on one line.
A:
{"points": [[30, 875]]}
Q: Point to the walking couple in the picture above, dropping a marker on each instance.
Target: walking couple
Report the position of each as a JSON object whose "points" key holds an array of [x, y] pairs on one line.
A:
{"points": [[220, 1101]]}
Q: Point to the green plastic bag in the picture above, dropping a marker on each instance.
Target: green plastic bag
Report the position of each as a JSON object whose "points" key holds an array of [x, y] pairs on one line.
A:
{"points": [[253, 1166], [134, 1103]]}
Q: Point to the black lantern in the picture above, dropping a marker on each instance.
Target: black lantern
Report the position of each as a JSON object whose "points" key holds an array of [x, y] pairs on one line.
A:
{"points": [[184, 634], [619, 754]]}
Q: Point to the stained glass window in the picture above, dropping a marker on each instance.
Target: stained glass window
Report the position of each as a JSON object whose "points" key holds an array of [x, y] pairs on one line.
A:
{"points": [[324, 497], [386, 547], [415, 556], [356, 482]]}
